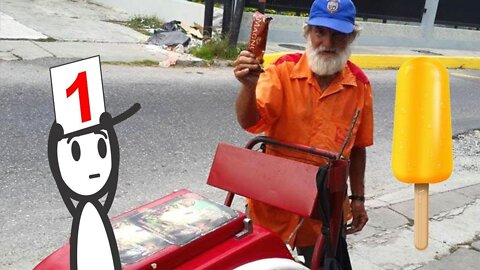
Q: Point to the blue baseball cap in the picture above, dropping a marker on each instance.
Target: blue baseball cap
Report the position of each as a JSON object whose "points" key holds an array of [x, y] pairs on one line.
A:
{"points": [[335, 14]]}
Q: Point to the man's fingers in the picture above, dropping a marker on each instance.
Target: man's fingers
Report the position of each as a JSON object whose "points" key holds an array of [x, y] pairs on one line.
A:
{"points": [[363, 221], [247, 54], [245, 59], [242, 72], [251, 67], [353, 229], [357, 224], [245, 70]]}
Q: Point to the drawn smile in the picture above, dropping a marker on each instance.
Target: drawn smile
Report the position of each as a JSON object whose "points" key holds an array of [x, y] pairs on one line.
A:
{"points": [[91, 176]]}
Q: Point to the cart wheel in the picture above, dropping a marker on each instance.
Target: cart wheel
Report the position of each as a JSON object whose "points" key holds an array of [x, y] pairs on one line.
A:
{"points": [[272, 264]]}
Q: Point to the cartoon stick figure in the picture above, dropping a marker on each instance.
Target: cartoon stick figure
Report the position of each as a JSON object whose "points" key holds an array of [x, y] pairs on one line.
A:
{"points": [[84, 160]]}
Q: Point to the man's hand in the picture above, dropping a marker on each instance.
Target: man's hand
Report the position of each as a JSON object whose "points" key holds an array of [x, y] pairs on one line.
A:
{"points": [[357, 171], [247, 69], [360, 217]]}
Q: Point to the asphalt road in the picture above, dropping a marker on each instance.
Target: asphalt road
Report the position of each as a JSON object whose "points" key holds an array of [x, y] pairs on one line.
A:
{"points": [[169, 144]]}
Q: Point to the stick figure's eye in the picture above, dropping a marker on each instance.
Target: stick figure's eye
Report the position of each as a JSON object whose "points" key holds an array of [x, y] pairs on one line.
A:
{"points": [[102, 148], [75, 151]]}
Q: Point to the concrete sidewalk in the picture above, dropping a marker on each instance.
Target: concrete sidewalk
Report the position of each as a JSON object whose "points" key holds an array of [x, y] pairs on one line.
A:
{"points": [[78, 29], [66, 29], [454, 238]]}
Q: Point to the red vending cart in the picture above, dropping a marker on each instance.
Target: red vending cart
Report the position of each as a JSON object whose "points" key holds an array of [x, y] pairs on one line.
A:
{"points": [[184, 230]]}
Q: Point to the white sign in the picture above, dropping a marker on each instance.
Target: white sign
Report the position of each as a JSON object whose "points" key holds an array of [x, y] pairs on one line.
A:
{"points": [[78, 94]]}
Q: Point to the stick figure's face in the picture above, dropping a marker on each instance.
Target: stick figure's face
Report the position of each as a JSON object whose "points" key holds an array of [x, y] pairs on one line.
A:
{"points": [[85, 162]]}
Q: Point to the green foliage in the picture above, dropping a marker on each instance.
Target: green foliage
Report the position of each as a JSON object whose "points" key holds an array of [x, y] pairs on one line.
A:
{"points": [[142, 23], [288, 13], [267, 11], [216, 4], [48, 39], [250, 9], [144, 63], [270, 11], [273, 11], [145, 22], [217, 48]]}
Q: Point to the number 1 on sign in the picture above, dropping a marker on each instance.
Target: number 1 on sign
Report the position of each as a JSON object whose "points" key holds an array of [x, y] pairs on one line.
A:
{"points": [[80, 83]]}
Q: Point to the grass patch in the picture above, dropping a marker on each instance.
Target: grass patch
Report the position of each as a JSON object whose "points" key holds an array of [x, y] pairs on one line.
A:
{"points": [[273, 11], [144, 63], [217, 49], [453, 249], [215, 4], [142, 23], [48, 39]]}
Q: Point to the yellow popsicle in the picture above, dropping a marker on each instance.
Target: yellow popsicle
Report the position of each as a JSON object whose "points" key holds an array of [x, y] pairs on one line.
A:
{"points": [[422, 133]]}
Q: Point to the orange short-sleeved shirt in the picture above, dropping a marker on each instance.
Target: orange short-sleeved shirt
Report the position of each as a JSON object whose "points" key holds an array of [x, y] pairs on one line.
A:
{"points": [[293, 108]]}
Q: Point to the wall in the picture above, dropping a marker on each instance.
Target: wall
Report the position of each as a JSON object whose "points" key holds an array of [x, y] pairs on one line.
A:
{"points": [[288, 29], [166, 10]]}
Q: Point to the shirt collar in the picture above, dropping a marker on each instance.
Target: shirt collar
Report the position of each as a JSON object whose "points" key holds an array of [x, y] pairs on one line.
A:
{"points": [[301, 70]]}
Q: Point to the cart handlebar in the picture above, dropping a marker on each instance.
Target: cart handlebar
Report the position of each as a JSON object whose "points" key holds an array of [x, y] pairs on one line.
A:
{"points": [[292, 146]]}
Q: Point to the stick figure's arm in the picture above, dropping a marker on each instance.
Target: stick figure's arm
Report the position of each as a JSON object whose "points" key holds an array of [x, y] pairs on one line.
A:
{"points": [[112, 190], [55, 135], [126, 114], [69, 204], [110, 195]]}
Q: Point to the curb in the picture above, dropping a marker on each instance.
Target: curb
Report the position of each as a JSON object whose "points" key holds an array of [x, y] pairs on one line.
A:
{"points": [[191, 63], [370, 61]]}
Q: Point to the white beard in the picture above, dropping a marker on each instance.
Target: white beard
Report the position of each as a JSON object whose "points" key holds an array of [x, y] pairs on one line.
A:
{"points": [[326, 64]]}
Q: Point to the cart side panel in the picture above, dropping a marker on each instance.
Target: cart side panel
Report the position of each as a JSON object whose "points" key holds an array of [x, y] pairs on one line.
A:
{"points": [[260, 244], [270, 179]]}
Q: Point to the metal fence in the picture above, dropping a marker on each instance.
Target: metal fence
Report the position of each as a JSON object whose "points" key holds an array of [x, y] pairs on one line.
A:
{"points": [[400, 10], [297, 6], [450, 12], [458, 13]]}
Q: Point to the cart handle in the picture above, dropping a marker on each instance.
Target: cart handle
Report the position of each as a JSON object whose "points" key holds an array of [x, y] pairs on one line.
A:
{"points": [[292, 146]]}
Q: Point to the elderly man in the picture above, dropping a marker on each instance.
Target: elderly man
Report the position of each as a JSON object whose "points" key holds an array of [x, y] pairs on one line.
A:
{"points": [[311, 99]]}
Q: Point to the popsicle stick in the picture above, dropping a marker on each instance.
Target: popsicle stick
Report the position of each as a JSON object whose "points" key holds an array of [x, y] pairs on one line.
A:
{"points": [[421, 216]]}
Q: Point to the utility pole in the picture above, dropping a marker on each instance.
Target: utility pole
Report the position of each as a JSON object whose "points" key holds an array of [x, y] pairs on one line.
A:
{"points": [[261, 6], [236, 22], [428, 18], [208, 20], [227, 17]]}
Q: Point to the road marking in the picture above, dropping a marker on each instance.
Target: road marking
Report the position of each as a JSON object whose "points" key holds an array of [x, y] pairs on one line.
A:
{"points": [[464, 75]]}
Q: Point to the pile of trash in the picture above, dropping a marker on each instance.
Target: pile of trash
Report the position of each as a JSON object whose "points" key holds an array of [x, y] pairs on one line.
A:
{"points": [[177, 38]]}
